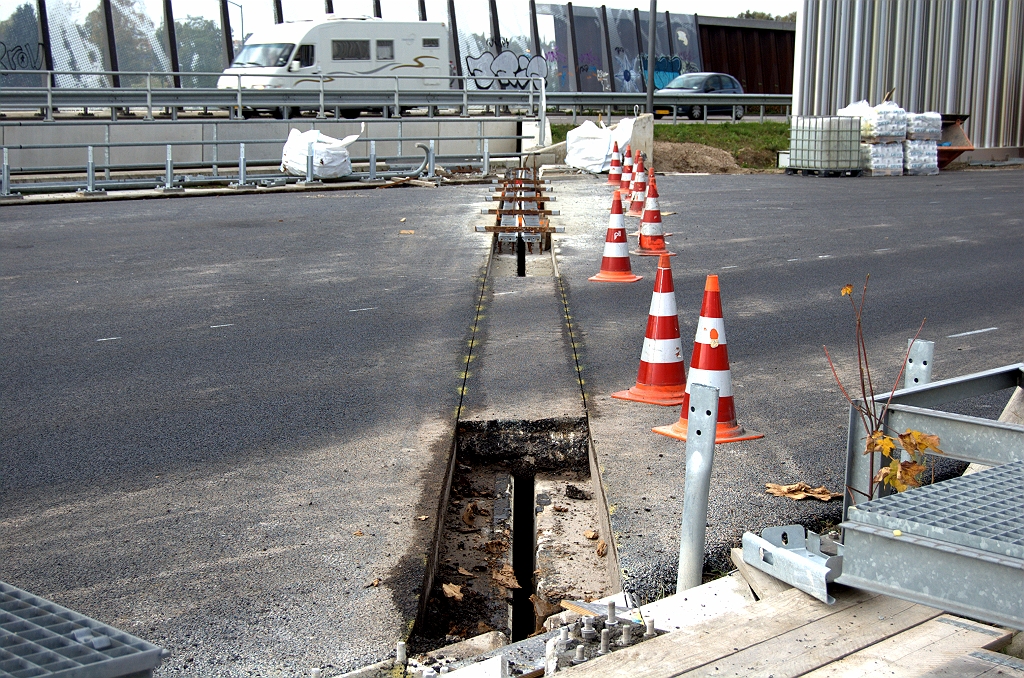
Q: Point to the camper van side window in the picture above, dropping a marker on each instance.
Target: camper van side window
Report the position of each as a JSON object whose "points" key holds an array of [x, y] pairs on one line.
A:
{"points": [[431, 42], [350, 50], [385, 50], [305, 56]]}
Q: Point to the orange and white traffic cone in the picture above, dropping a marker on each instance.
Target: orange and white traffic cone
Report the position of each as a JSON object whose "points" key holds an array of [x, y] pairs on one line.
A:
{"points": [[615, 262], [652, 233], [615, 171], [636, 207], [710, 365], [627, 171], [661, 379]]}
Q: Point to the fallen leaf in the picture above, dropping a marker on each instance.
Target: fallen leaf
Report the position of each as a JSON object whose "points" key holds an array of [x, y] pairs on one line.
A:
{"points": [[602, 549], [402, 220], [506, 577], [452, 591], [466, 572], [421, 517], [560, 509], [375, 582], [496, 547], [847, 290], [483, 627], [542, 608], [590, 534], [800, 490], [573, 492], [405, 232], [358, 533], [467, 514]]}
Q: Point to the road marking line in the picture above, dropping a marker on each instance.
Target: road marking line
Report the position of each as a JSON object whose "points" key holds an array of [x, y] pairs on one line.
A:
{"points": [[824, 256], [108, 339], [498, 294], [368, 308], [213, 327], [884, 249], [792, 260], [725, 267], [964, 334]]}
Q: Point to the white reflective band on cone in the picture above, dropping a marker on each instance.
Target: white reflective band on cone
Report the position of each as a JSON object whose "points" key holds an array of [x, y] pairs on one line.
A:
{"points": [[616, 221], [662, 351], [663, 303], [720, 379], [651, 205], [616, 249], [651, 228], [704, 327]]}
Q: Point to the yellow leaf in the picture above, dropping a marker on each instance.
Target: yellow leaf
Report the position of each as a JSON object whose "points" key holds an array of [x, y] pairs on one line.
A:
{"points": [[879, 442], [466, 572], [357, 533], [452, 591], [847, 290], [602, 549], [910, 474]]}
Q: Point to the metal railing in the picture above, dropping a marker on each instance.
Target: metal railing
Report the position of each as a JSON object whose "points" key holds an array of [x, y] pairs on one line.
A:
{"points": [[324, 94]]}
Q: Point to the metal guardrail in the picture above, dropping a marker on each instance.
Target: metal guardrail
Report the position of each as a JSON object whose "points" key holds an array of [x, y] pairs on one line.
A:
{"points": [[528, 93]]}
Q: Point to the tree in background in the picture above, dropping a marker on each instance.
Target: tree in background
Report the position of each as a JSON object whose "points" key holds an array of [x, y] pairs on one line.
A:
{"points": [[767, 16], [200, 49]]}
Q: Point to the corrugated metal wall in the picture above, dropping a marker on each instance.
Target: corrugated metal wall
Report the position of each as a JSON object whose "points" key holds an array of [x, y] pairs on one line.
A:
{"points": [[950, 56], [757, 53]]}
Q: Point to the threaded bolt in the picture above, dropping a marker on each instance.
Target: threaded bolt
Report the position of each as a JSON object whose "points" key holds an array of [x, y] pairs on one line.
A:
{"points": [[580, 657], [606, 639], [627, 635], [400, 653], [650, 628], [611, 619], [588, 632]]}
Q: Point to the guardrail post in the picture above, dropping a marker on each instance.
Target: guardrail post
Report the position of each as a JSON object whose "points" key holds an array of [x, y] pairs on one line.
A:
{"points": [[574, 114], [700, 457], [90, 176], [675, 115], [430, 160], [399, 138], [398, 108], [5, 179], [373, 160], [480, 137], [321, 115], [149, 96], [705, 109], [238, 113], [169, 186], [309, 162], [216, 149], [762, 113], [544, 112], [465, 101], [106, 152], [919, 363], [49, 100], [242, 183], [487, 157]]}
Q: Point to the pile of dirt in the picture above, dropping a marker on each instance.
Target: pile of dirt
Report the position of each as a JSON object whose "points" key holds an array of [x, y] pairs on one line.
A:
{"points": [[670, 156]]}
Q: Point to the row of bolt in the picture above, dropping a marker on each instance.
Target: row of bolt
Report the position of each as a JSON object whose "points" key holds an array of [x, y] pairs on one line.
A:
{"points": [[587, 633]]}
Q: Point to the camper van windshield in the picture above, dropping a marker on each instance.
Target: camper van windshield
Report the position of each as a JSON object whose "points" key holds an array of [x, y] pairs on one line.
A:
{"points": [[263, 55]]}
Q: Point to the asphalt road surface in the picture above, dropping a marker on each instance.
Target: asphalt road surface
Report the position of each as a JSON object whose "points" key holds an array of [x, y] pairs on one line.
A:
{"points": [[206, 401]]}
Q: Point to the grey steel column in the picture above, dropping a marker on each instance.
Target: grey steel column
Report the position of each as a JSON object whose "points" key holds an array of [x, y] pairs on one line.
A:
{"points": [[108, 19], [608, 48], [44, 37], [492, 10], [700, 457], [376, 9], [328, 6], [278, 12], [423, 10], [639, 41], [652, 40], [575, 65], [534, 31], [172, 40], [225, 22], [455, 41], [668, 34]]}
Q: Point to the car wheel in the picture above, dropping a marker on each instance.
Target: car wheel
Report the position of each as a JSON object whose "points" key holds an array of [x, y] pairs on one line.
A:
{"points": [[284, 112], [738, 111], [696, 112], [659, 116], [350, 113]]}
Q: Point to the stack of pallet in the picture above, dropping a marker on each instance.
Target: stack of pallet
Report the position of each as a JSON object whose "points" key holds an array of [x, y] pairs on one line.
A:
{"points": [[920, 150]]}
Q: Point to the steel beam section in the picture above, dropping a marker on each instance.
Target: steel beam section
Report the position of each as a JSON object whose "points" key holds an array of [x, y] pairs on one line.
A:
{"points": [[966, 438]]}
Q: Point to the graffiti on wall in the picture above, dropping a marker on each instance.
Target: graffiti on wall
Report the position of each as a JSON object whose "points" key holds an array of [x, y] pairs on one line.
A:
{"points": [[506, 70], [21, 57]]}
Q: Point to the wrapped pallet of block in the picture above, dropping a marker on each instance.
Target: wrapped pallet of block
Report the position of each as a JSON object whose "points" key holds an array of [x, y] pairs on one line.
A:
{"points": [[924, 126], [920, 157], [882, 160], [883, 129]]}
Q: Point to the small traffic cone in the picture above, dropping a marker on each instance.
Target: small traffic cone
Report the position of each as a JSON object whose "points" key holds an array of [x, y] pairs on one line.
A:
{"points": [[627, 171], [710, 365], [636, 207], [652, 234], [661, 379], [615, 171], [615, 262]]}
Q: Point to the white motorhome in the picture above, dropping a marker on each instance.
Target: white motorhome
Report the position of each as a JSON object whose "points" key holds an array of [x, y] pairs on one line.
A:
{"points": [[354, 54]]}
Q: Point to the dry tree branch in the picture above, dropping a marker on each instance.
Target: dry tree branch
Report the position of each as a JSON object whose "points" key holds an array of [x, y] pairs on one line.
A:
{"points": [[842, 390]]}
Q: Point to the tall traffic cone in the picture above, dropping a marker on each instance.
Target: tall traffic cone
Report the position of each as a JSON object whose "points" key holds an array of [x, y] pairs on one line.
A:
{"points": [[652, 234], [615, 262], [661, 379], [627, 171], [615, 171], [710, 365], [636, 206]]}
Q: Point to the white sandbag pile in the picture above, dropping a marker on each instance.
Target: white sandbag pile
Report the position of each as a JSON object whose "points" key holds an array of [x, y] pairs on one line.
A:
{"points": [[330, 156], [589, 147]]}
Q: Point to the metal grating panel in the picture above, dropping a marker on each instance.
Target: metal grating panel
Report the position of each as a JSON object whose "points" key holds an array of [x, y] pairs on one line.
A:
{"points": [[40, 638], [984, 511]]}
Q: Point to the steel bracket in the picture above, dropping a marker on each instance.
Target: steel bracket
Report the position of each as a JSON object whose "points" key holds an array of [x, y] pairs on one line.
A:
{"points": [[787, 554]]}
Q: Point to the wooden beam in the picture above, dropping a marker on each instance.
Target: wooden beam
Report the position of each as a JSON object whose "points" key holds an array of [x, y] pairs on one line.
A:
{"points": [[762, 583]]}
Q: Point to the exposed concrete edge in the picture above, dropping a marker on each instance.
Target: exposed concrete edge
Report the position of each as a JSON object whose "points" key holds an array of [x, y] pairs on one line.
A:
{"points": [[430, 566]]}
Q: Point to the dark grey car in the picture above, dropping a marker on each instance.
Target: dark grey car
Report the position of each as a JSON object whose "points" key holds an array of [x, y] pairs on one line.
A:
{"points": [[702, 83]]}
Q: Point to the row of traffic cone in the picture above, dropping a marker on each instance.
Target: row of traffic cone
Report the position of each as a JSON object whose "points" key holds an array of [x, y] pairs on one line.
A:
{"points": [[661, 379]]}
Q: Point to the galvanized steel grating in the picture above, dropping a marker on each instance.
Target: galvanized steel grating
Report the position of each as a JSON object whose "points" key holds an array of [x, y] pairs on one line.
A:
{"points": [[983, 511], [41, 638]]}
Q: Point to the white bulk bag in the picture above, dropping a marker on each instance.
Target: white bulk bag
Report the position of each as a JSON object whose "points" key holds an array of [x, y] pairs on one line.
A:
{"points": [[589, 147], [330, 155]]}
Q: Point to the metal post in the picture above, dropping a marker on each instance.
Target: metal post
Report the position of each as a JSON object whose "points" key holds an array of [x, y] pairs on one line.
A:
{"points": [[430, 160], [106, 152], [49, 100], [652, 35], [149, 96], [321, 115], [242, 183], [487, 158], [480, 136], [608, 51], [309, 162], [399, 138], [544, 111], [423, 10], [675, 115], [169, 179], [5, 179], [534, 31], [225, 22], [172, 41], [373, 160], [90, 173], [376, 9], [216, 149], [108, 20], [398, 109], [700, 457], [919, 363], [465, 100], [573, 54], [238, 95], [762, 113]]}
